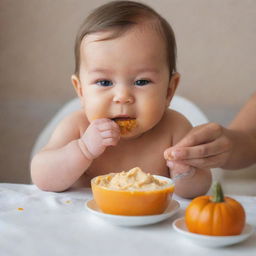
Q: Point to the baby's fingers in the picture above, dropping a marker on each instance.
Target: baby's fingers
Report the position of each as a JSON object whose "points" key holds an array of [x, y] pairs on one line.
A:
{"points": [[110, 141], [110, 134], [107, 125]]}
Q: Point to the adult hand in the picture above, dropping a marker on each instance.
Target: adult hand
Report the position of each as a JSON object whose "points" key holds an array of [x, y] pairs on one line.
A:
{"points": [[205, 146], [100, 134]]}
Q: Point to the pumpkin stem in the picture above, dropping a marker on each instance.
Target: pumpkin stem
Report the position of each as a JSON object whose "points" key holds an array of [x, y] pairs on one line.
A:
{"points": [[218, 195]]}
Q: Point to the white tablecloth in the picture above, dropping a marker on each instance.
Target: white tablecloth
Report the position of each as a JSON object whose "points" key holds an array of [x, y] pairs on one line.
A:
{"points": [[33, 222]]}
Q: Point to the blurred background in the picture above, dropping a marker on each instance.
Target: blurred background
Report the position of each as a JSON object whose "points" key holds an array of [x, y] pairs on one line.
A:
{"points": [[216, 58]]}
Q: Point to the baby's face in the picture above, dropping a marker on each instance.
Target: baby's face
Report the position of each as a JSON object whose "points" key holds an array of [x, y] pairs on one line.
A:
{"points": [[125, 77]]}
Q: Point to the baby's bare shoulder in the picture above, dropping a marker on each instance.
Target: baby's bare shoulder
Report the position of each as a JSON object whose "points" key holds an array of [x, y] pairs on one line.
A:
{"points": [[179, 124], [70, 128], [75, 119], [79, 120], [176, 117]]}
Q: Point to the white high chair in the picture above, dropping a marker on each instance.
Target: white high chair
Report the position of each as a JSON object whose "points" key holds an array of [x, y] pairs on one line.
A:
{"points": [[180, 104]]}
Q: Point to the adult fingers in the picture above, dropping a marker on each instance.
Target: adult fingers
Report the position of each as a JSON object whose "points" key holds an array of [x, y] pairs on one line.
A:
{"points": [[213, 148], [177, 168], [201, 134], [208, 162]]}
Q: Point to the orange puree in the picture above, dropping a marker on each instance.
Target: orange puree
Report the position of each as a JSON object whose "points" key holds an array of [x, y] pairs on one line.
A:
{"points": [[132, 193], [126, 125]]}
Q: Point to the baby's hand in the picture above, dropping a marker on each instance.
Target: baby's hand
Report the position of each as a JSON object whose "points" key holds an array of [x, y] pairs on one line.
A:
{"points": [[100, 134]]}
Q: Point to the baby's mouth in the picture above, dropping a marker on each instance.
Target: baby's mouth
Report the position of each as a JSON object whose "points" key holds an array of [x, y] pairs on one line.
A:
{"points": [[125, 123], [122, 118]]}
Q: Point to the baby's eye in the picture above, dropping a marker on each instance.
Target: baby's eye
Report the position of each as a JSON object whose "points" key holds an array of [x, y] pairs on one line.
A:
{"points": [[104, 83], [142, 82]]}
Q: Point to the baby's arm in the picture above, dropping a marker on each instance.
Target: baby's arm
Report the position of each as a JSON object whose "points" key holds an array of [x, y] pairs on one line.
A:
{"points": [[71, 151], [198, 181]]}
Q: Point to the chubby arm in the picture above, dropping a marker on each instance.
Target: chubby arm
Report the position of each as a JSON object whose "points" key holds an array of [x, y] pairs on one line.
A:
{"points": [[199, 180], [62, 161], [73, 146]]}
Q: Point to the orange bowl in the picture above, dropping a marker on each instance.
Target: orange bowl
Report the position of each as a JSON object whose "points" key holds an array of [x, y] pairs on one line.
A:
{"points": [[133, 202]]}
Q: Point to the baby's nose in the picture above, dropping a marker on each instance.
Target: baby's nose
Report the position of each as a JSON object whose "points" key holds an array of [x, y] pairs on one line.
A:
{"points": [[123, 96]]}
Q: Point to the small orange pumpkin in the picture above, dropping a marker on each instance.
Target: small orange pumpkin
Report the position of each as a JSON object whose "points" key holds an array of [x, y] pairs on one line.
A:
{"points": [[215, 215]]}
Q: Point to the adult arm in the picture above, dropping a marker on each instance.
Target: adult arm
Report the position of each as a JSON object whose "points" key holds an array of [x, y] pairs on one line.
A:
{"points": [[211, 145]]}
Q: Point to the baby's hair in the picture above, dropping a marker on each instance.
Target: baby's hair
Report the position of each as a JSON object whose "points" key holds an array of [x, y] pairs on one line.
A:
{"points": [[119, 16]]}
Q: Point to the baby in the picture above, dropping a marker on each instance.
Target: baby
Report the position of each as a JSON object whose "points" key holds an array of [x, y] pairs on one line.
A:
{"points": [[125, 73]]}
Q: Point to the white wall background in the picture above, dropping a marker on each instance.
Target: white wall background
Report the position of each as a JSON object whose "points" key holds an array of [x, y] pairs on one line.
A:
{"points": [[216, 58]]}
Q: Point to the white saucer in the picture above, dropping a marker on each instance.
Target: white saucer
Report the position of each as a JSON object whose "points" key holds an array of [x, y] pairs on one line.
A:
{"points": [[211, 241], [122, 220]]}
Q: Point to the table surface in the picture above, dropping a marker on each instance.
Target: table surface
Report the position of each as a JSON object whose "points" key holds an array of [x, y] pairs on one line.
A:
{"points": [[34, 222]]}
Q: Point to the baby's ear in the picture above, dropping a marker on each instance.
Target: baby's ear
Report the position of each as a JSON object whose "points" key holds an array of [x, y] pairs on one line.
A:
{"points": [[173, 84], [78, 88], [77, 85]]}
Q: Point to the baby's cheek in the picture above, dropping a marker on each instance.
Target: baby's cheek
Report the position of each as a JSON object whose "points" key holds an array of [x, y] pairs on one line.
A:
{"points": [[92, 112], [152, 113], [95, 107], [93, 115]]}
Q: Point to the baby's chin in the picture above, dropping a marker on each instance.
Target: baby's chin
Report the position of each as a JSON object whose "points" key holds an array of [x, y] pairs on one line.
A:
{"points": [[137, 133], [131, 136]]}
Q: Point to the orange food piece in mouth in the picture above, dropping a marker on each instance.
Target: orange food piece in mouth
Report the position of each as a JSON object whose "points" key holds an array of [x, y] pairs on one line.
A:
{"points": [[126, 125]]}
